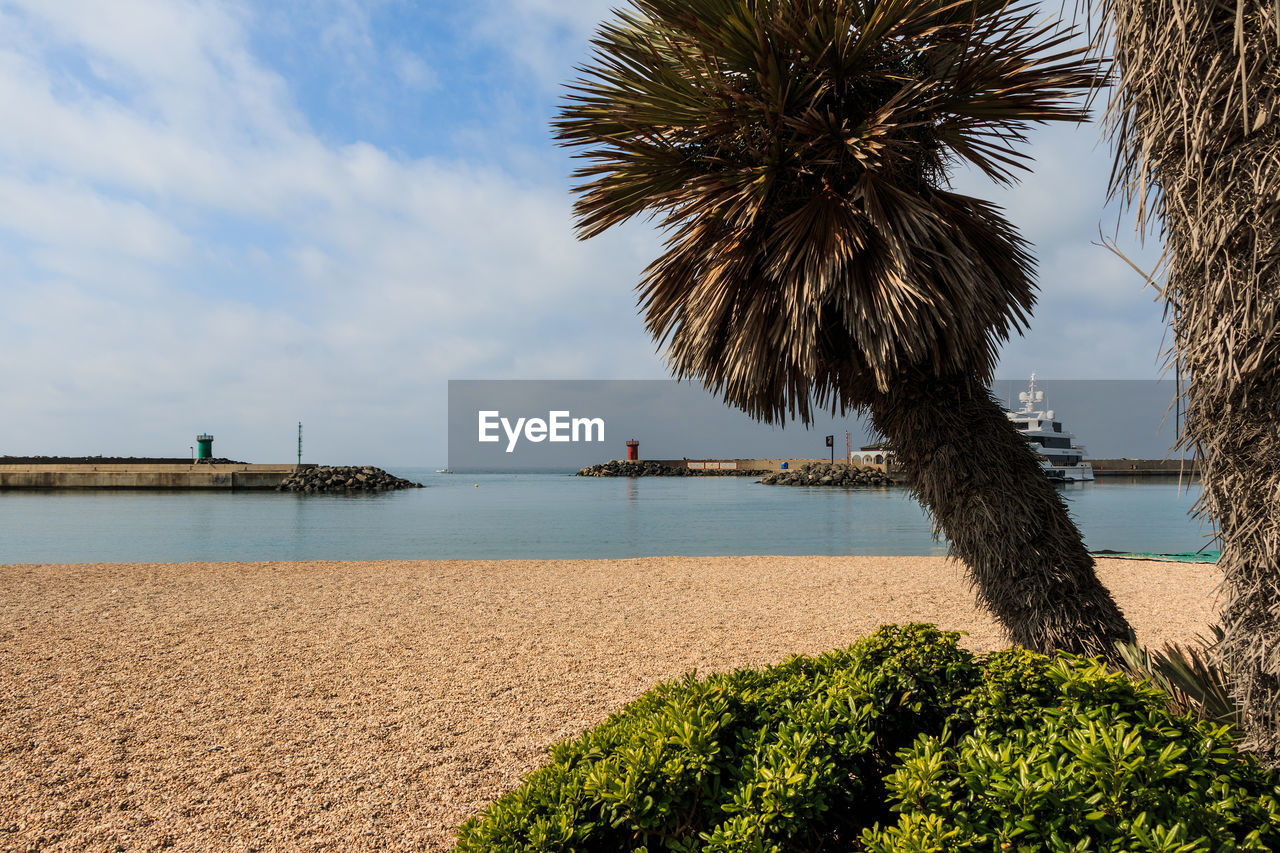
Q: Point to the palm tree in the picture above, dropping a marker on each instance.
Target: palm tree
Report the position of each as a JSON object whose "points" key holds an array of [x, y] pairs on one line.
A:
{"points": [[1195, 119], [797, 154]]}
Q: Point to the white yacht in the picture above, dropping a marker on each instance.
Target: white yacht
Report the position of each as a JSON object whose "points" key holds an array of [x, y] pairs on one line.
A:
{"points": [[1061, 459]]}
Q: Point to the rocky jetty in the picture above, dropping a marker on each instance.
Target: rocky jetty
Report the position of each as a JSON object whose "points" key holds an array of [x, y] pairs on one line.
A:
{"points": [[617, 468], [826, 474], [343, 478]]}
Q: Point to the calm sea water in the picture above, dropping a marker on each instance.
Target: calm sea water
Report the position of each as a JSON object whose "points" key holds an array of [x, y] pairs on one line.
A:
{"points": [[496, 516]]}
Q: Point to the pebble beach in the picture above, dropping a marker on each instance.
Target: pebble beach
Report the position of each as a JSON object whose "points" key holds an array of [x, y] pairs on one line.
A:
{"points": [[376, 705]]}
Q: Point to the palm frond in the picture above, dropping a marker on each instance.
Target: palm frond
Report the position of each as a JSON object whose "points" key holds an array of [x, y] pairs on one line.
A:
{"points": [[797, 153], [1196, 684]]}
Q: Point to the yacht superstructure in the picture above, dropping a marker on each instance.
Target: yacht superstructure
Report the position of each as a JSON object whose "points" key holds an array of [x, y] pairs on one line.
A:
{"points": [[1060, 457]]}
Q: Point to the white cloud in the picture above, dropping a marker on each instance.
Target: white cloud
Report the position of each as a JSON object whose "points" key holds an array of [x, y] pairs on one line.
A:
{"points": [[1094, 318], [415, 73], [184, 252], [61, 213], [546, 36], [196, 255]]}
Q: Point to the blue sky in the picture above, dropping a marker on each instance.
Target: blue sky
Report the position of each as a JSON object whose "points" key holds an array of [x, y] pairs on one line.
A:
{"points": [[232, 216]]}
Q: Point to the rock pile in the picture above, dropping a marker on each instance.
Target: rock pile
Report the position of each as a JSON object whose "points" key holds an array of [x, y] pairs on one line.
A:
{"points": [[618, 468], [826, 474], [343, 478]]}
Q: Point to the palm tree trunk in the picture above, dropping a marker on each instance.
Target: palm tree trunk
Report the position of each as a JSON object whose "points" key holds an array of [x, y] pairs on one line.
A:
{"points": [[967, 464], [1240, 470], [1196, 126]]}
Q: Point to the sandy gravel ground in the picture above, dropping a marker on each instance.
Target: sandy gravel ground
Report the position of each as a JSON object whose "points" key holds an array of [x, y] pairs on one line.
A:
{"points": [[373, 705]]}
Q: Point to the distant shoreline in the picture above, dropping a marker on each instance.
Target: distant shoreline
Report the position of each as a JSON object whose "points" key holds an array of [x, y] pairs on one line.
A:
{"points": [[114, 460]]}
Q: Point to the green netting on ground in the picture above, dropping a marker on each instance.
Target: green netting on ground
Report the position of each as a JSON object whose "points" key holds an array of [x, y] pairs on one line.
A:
{"points": [[1196, 557]]}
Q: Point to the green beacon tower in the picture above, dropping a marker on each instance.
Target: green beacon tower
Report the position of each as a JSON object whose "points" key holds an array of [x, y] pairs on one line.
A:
{"points": [[204, 446]]}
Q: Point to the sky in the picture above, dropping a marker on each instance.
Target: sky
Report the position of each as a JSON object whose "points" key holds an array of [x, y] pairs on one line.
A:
{"points": [[229, 217]]}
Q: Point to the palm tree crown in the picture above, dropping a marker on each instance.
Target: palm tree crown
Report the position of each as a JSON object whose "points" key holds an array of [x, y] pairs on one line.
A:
{"points": [[797, 153]]}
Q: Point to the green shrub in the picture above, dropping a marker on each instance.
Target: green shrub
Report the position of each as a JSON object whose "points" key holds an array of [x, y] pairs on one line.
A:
{"points": [[1101, 765], [903, 742], [755, 760]]}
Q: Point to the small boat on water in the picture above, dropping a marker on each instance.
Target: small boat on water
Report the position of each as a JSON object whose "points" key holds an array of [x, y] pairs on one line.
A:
{"points": [[443, 471], [1061, 459]]}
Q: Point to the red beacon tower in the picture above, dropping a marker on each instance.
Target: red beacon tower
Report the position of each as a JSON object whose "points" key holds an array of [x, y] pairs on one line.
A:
{"points": [[633, 450]]}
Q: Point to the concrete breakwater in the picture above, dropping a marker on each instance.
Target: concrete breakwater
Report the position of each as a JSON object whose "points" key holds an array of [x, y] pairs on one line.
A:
{"points": [[838, 475], [652, 468], [200, 475], [344, 478], [1145, 467], [114, 460], [135, 475]]}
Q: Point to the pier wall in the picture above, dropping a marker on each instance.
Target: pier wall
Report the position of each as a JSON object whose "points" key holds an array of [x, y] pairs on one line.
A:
{"points": [[1101, 467], [1144, 467], [774, 464], [230, 477]]}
